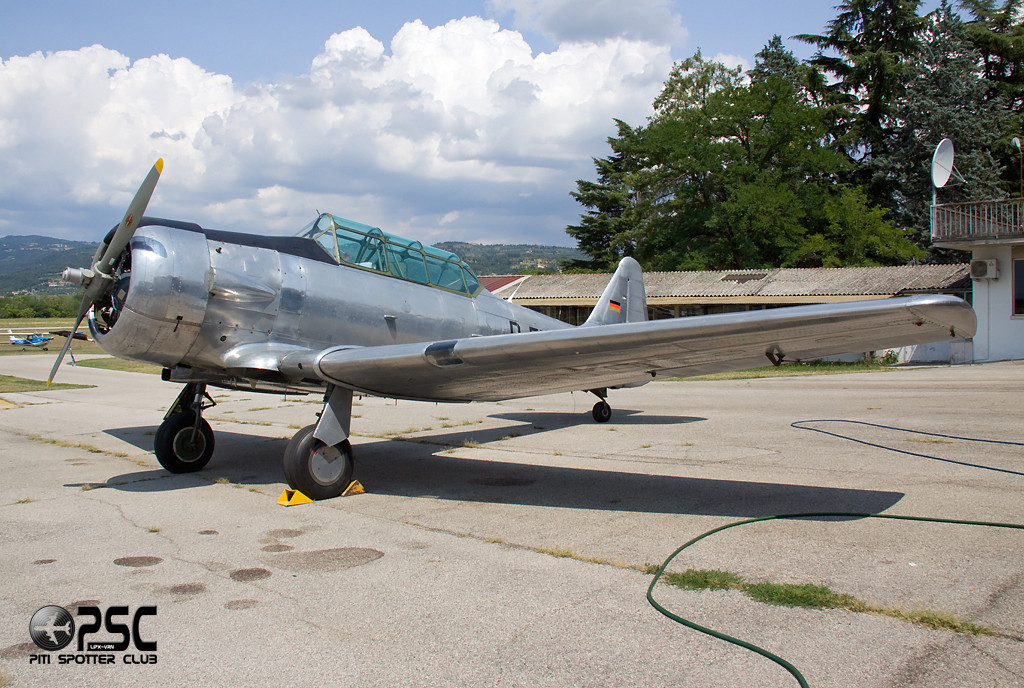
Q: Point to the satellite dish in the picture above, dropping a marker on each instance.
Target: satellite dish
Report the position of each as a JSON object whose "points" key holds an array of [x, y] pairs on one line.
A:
{"points": [[942, 163]]}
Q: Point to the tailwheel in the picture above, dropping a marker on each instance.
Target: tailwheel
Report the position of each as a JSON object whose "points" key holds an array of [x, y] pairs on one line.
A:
{"points": [[182, 444], [602, 411], [318, 470]]}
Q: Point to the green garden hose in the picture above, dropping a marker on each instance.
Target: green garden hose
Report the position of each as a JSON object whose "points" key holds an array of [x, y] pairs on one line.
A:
{"points": [[750, 646]]}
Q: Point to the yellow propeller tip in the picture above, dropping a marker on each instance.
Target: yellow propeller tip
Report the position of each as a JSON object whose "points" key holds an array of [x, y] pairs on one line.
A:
{"points": [[159, 165]]}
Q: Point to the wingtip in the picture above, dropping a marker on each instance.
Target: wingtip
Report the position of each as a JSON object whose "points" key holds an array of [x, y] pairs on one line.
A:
{"points": [[159, 165]]}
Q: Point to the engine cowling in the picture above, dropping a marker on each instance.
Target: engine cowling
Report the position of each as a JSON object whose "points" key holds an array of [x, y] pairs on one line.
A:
{"points": [[156, 309]]}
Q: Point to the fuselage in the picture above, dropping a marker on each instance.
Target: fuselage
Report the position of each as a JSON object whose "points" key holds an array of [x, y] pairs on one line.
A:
{"points": [[222, 306]]}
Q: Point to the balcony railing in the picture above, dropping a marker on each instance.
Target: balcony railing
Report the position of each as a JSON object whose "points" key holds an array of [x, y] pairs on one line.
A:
{"points": [[984, 221]]}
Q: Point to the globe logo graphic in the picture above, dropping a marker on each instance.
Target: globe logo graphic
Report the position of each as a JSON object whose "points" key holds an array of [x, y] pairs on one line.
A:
{"points": [[52, 628]]}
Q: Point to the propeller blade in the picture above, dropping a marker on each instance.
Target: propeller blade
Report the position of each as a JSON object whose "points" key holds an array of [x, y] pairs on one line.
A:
{"points": [[82, 310], [130, 223]]}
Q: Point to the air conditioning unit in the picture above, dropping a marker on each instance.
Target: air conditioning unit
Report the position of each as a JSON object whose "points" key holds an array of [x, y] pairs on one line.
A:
{"points": [[984, 269]]}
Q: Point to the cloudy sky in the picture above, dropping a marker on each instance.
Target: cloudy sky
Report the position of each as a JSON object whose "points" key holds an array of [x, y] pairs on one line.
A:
{"points": [[465, 120]]}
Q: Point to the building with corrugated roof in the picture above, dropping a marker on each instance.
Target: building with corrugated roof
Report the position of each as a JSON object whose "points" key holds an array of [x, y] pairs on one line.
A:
{"points": [[571, 297]]}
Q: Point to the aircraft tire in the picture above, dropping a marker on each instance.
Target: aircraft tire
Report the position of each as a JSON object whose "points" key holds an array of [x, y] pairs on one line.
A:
{"points": [[174, 447], [315, 469], [602, 411]]}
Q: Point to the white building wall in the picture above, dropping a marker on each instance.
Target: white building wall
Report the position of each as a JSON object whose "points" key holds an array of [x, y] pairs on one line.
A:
{"points": [[1000, 334], [954, 351]]}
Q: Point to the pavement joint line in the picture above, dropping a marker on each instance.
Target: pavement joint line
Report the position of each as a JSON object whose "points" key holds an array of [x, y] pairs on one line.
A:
{"points": [[549, 551], [67, 444]]}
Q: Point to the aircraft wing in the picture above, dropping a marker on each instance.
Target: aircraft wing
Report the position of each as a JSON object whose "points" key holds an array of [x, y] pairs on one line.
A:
{"points": [[593, 357]]}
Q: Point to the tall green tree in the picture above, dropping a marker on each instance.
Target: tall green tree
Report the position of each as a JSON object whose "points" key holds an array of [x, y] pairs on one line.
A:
{"points": [[730, 173], [604, 231], [997, 32], [868, 51]]}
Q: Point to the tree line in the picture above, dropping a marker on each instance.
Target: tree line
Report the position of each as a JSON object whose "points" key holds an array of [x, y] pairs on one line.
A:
{"points": [[816, 163], [39, 306]]}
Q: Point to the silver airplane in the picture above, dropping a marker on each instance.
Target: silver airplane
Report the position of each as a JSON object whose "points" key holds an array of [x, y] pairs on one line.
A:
{"points": [[345, 308]]}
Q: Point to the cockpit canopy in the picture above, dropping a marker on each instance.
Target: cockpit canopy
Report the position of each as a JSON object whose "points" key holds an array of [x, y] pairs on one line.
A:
{"points": [[362, 246]]}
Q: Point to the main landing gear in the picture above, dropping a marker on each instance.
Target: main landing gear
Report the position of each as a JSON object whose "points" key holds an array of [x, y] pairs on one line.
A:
{"points": [[317, 462]]}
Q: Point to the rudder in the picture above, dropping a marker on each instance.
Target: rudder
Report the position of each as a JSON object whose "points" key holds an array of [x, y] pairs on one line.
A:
{"points": [[624, 299]]}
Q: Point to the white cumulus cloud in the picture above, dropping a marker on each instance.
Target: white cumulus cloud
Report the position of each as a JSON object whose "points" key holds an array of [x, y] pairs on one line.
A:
{"points": [[449, 132]]}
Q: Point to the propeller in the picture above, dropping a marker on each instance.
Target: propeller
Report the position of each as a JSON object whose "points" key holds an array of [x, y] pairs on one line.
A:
{"points": [[98, 280]]}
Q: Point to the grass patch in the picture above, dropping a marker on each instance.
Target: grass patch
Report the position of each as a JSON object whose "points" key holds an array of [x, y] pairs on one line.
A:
{"points": [[807, 595], [120, 364], [810, 596], [11, 385], [704, 579], [795, 370]]}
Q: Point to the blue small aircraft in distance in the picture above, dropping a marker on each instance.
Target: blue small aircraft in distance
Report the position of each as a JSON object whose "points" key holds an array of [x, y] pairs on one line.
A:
{"points": [[29, 339]]}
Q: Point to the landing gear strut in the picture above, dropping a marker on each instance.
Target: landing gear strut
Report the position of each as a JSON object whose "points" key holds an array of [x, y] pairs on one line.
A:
{"points": [[602, 411], [184, 441], [318, 461]]}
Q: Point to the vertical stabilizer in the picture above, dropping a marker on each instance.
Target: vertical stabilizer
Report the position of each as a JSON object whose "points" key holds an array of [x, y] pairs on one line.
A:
{"points": [[623, 299]]}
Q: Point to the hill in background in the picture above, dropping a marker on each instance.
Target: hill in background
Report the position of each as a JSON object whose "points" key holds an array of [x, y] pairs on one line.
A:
{"points": [[511, 259], [32, 264]]}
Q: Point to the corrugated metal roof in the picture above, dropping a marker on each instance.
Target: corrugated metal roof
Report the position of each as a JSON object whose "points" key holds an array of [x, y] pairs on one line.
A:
{"points": [[779, 282]]}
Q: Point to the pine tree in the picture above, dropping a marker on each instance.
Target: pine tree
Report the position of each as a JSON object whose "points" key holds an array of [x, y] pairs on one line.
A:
{"points": [[875, 43]]}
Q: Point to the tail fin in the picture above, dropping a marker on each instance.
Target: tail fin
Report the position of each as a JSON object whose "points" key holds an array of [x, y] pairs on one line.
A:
{"points": [[623, 299]]}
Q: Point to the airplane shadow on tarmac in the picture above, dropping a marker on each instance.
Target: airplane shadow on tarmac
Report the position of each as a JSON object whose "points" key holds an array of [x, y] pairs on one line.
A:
{"points": [[421, 468]]}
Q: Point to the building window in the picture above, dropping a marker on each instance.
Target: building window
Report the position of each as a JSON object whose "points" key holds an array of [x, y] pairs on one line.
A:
{"points": [[1018, 283]]}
